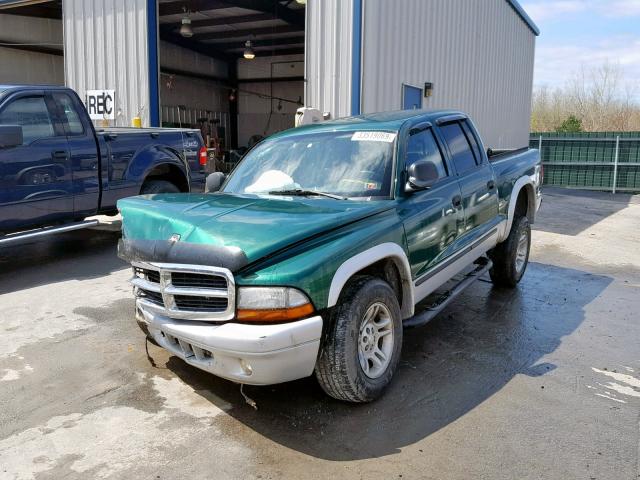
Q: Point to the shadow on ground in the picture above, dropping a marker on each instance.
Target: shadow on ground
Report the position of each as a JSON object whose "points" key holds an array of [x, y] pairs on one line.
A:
{"points": [[563, 207], [449, 367], [77, 255]]}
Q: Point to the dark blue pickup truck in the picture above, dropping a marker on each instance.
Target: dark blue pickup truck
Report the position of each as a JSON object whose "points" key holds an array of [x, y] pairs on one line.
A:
{"points": [[56, 169]]}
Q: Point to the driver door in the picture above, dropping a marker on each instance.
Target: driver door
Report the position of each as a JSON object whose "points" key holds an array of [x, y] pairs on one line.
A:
{"points": [[35, 177], [432, 217]]}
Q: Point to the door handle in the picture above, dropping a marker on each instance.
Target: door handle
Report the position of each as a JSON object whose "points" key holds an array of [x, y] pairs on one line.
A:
{"points": [[60, 154], [491, 184], [457, 201]]}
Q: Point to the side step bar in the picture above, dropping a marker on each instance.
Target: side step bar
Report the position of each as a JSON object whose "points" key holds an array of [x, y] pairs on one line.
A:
{"points": [[41, 232], [425, 316]]}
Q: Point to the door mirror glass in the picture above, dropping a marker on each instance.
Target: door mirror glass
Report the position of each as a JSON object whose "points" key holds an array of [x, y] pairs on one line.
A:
{"points": [[422, 174], [10, 136], [214, 182]]}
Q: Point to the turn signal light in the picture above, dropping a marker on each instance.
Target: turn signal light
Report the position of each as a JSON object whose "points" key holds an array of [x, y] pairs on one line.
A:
{"points": [[272, 304]]}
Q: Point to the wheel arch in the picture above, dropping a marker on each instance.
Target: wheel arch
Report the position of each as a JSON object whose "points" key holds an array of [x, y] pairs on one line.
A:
{"points": [[169, 172], [523, 186], [368, 258]]}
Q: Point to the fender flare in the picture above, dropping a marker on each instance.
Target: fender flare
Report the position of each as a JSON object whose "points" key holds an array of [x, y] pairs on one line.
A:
{"points": [[523, 182], [144, 161], [389, 250]]}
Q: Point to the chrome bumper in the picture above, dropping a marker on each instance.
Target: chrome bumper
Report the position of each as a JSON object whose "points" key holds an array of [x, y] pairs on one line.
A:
{"points": [[251, 354]]}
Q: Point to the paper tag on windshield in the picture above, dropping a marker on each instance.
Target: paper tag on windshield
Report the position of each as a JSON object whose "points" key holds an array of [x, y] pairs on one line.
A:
{"points": [[373, 137]]}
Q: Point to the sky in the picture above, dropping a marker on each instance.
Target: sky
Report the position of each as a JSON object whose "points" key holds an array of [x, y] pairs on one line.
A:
{"points": [[585, 32]]}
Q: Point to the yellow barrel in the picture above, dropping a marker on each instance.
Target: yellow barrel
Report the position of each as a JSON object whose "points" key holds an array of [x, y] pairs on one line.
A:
{"points": [[136, 122]]}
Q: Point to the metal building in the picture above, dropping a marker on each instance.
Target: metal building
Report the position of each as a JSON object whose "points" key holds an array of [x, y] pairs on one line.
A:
{"points": [[180, 62]]}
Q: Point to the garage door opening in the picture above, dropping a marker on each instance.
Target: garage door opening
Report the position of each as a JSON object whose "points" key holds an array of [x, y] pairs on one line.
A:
{"points": [[234, 69]]}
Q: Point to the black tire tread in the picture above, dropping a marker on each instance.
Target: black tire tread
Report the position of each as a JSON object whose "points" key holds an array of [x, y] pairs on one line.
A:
{"points": [[158, 186], [503, 272], [331, 369]]}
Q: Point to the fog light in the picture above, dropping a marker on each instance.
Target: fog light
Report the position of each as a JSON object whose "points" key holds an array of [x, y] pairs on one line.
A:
{"points": [[246, 367]]}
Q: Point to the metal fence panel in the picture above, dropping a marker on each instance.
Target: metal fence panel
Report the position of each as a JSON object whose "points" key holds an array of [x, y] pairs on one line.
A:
{"points": [[593, 160]]}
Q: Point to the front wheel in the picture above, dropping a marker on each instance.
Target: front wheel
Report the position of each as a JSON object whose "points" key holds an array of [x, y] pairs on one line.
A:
{"points": [[510, 258], [364, 342]]}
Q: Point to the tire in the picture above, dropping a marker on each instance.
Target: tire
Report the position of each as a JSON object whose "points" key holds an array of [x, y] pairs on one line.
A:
{"points": [[510, 262], [350, 348], [158, 186]]}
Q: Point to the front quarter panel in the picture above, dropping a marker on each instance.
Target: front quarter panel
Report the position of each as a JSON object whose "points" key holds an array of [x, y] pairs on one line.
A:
{"points": [[312, 266]]}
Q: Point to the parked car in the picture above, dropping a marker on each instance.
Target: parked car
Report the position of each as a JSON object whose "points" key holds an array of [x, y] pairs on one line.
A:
{"points": [[313, 254], [56, 169]]}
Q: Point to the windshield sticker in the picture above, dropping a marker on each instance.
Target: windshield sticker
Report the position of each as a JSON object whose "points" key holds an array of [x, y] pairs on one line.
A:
{"points": [[373, 137]]}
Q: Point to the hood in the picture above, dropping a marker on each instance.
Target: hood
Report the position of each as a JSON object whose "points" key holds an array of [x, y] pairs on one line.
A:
{"points": [[257, 225]]}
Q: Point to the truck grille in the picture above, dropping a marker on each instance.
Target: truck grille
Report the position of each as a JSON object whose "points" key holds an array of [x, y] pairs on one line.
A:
{"points": [[186, 292], [197, 280]]}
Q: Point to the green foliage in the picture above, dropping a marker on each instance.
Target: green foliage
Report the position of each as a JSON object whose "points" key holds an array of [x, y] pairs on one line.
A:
{"points": [[571, 125]]}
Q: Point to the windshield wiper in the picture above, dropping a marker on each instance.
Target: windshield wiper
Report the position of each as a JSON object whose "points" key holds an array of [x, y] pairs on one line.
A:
{"points": [[303, 193]]}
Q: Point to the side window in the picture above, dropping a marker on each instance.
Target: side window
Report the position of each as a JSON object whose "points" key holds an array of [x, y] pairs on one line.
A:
{"points": [[471, 138], [32, 114], [459, 147], [70, 114], [422, 146]]}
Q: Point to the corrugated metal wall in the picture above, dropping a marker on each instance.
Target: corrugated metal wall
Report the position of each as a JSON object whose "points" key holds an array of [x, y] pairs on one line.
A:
{"points": [[106, 48], [478, 54], [20, 66], [328, 55]]}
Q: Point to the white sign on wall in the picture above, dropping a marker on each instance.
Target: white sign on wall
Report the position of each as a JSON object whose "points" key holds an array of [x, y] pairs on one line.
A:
{"points": [[101, 104]]}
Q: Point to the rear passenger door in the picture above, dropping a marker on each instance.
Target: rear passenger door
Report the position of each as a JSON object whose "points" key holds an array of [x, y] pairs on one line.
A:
{"points": [[35, 177], [476, 179]]}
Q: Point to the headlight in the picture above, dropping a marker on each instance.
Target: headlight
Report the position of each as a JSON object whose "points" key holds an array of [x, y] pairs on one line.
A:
{"points": [[272, 304]]}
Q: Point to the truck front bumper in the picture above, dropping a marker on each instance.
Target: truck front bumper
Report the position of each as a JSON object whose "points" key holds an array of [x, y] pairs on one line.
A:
{"points": [[252, 354]]}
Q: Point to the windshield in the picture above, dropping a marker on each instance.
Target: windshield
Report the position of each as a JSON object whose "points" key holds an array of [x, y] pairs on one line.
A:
{"points": [[348, 164]]}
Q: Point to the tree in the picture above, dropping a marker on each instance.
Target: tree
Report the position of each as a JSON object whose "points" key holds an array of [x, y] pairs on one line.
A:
{"points": [[597, 97], [571, 125]]}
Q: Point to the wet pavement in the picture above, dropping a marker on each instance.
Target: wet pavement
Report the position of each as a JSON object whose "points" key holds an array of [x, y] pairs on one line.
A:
{"points": [[538, 382]]}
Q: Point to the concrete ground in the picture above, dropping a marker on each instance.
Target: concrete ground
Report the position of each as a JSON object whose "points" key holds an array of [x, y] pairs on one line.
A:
{"points": [[539, 382]]}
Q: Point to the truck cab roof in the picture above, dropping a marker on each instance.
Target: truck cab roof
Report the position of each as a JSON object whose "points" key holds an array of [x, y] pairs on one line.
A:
{"points": [[393, 120]]}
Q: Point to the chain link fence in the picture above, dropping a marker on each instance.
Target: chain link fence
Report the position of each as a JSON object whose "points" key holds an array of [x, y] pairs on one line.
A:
{"points": [[595, 160]]}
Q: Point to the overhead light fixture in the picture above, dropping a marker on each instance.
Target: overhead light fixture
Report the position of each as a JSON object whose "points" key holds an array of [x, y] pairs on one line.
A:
{"points": [[301, 2], [185, 29], [249, 54]]}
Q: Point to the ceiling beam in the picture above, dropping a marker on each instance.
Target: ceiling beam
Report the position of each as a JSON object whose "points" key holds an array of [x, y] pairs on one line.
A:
{"points": [[214, 22], [274, 52], [52, 10], [271, 42], [208, 50], [50, 50], [176, 8], [292, 17], [248, 33]]}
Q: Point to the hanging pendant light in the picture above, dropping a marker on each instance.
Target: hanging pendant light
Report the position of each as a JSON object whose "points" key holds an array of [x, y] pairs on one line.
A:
{"points": [[185, 29], [249, 54]]}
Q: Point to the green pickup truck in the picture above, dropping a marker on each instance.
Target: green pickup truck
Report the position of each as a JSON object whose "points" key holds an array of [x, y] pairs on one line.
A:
{"points": [[311, 257]]}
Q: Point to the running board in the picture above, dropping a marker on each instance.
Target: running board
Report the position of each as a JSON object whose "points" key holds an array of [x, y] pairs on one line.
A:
{"points": [[425, 316], [41, 232]]}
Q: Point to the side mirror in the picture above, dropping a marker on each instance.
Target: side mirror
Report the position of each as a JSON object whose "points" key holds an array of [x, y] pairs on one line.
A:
{"points": [[422, 174], [10, 136], [214, 182]]}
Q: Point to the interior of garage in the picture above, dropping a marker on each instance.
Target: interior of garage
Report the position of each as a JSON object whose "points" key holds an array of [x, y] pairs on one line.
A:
{"points": [[233, 68]]}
